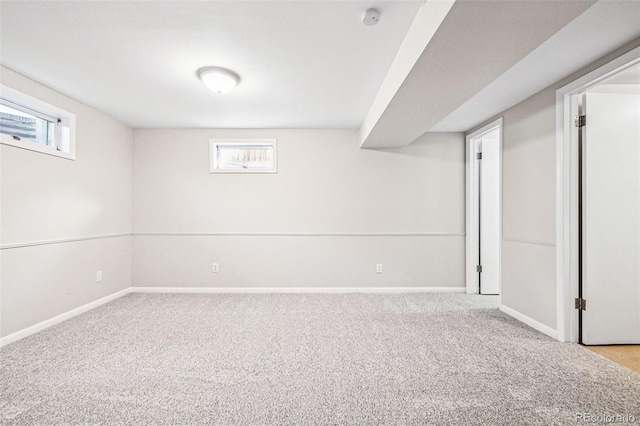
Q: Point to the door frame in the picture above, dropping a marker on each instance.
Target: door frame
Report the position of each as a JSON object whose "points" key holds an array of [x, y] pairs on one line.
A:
{"points": [[472, 208], [567, 207]]}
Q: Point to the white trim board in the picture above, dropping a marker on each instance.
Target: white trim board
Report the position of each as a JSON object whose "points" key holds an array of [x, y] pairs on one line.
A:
{"points": [[567, 194], [535, 243], [216, 290], [60, 318], [309, 290], [231, 234], [544, 329], [298, 234], [62, 240]]}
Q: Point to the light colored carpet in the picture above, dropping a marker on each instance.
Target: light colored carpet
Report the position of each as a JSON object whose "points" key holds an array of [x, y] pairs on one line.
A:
{"points": [[305, 359]]}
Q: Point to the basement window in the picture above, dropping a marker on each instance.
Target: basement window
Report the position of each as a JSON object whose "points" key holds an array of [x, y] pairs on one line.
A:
{"points": [[243, 156], [29, 123]]}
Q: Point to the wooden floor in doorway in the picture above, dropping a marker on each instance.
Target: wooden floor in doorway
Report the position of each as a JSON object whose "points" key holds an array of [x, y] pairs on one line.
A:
{"points": [[625, 355]]}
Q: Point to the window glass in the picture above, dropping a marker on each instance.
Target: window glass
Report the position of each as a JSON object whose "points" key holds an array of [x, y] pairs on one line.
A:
{"points": [[29, 123], [257, 156], [24, 126]]}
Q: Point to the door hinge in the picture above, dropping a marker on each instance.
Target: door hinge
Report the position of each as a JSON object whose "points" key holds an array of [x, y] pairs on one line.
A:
{"points": [[479, 268], [479, 156], [581, 304], [581, 121]]}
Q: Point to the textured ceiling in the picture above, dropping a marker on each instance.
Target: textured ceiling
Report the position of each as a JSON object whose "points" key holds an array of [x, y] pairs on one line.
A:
{"points": [[303, 64]]}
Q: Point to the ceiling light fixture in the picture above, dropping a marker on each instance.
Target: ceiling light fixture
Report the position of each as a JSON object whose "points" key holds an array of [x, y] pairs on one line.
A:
{"points": [[220, 80]]}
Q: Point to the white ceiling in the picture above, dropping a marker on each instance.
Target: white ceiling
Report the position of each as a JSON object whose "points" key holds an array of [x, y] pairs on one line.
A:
{"points": [[307, 63], [303, 64]]}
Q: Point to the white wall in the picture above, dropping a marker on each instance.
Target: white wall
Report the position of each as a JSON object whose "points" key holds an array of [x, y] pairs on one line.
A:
{"points": [[323, 212], [51, 199], [528, 219]]}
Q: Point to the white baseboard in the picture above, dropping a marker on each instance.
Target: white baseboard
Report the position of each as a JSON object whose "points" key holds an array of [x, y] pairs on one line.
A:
{"points": [[221, 290], [59, 318], [224, 290], [537, 325]]}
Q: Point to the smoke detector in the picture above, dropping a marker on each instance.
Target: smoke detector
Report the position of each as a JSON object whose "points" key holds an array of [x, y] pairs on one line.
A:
{"points": [[371, 17]]}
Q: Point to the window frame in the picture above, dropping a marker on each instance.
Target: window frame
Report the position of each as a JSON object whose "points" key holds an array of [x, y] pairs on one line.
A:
{"points": [[213, 148], [66, 123]]}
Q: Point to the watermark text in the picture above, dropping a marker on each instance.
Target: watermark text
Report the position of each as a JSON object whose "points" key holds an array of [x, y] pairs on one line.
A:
{"points": [[604, 418]]}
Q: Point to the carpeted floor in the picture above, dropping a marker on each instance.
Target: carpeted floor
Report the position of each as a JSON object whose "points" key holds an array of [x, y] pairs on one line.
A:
{"points": [[305, 359]]}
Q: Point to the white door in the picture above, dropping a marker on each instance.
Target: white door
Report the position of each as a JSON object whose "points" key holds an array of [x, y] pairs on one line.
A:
{"points": [[611, 218], [490, 213]]}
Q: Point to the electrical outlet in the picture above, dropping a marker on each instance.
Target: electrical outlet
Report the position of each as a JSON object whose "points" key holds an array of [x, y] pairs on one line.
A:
{"points": [[98, 276], [216, 268], [379, 268]]}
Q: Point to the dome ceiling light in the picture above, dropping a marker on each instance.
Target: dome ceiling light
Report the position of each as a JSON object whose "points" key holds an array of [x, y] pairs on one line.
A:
{"points": [[219, 80]]}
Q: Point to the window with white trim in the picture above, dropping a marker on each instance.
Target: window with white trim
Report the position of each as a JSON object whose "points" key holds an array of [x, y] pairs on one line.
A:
{"points": [[243, 156], [29, 123]]}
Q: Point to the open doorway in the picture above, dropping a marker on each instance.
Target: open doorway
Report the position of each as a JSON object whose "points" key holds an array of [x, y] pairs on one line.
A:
{"points": [[598, 204], [484, 196]]}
